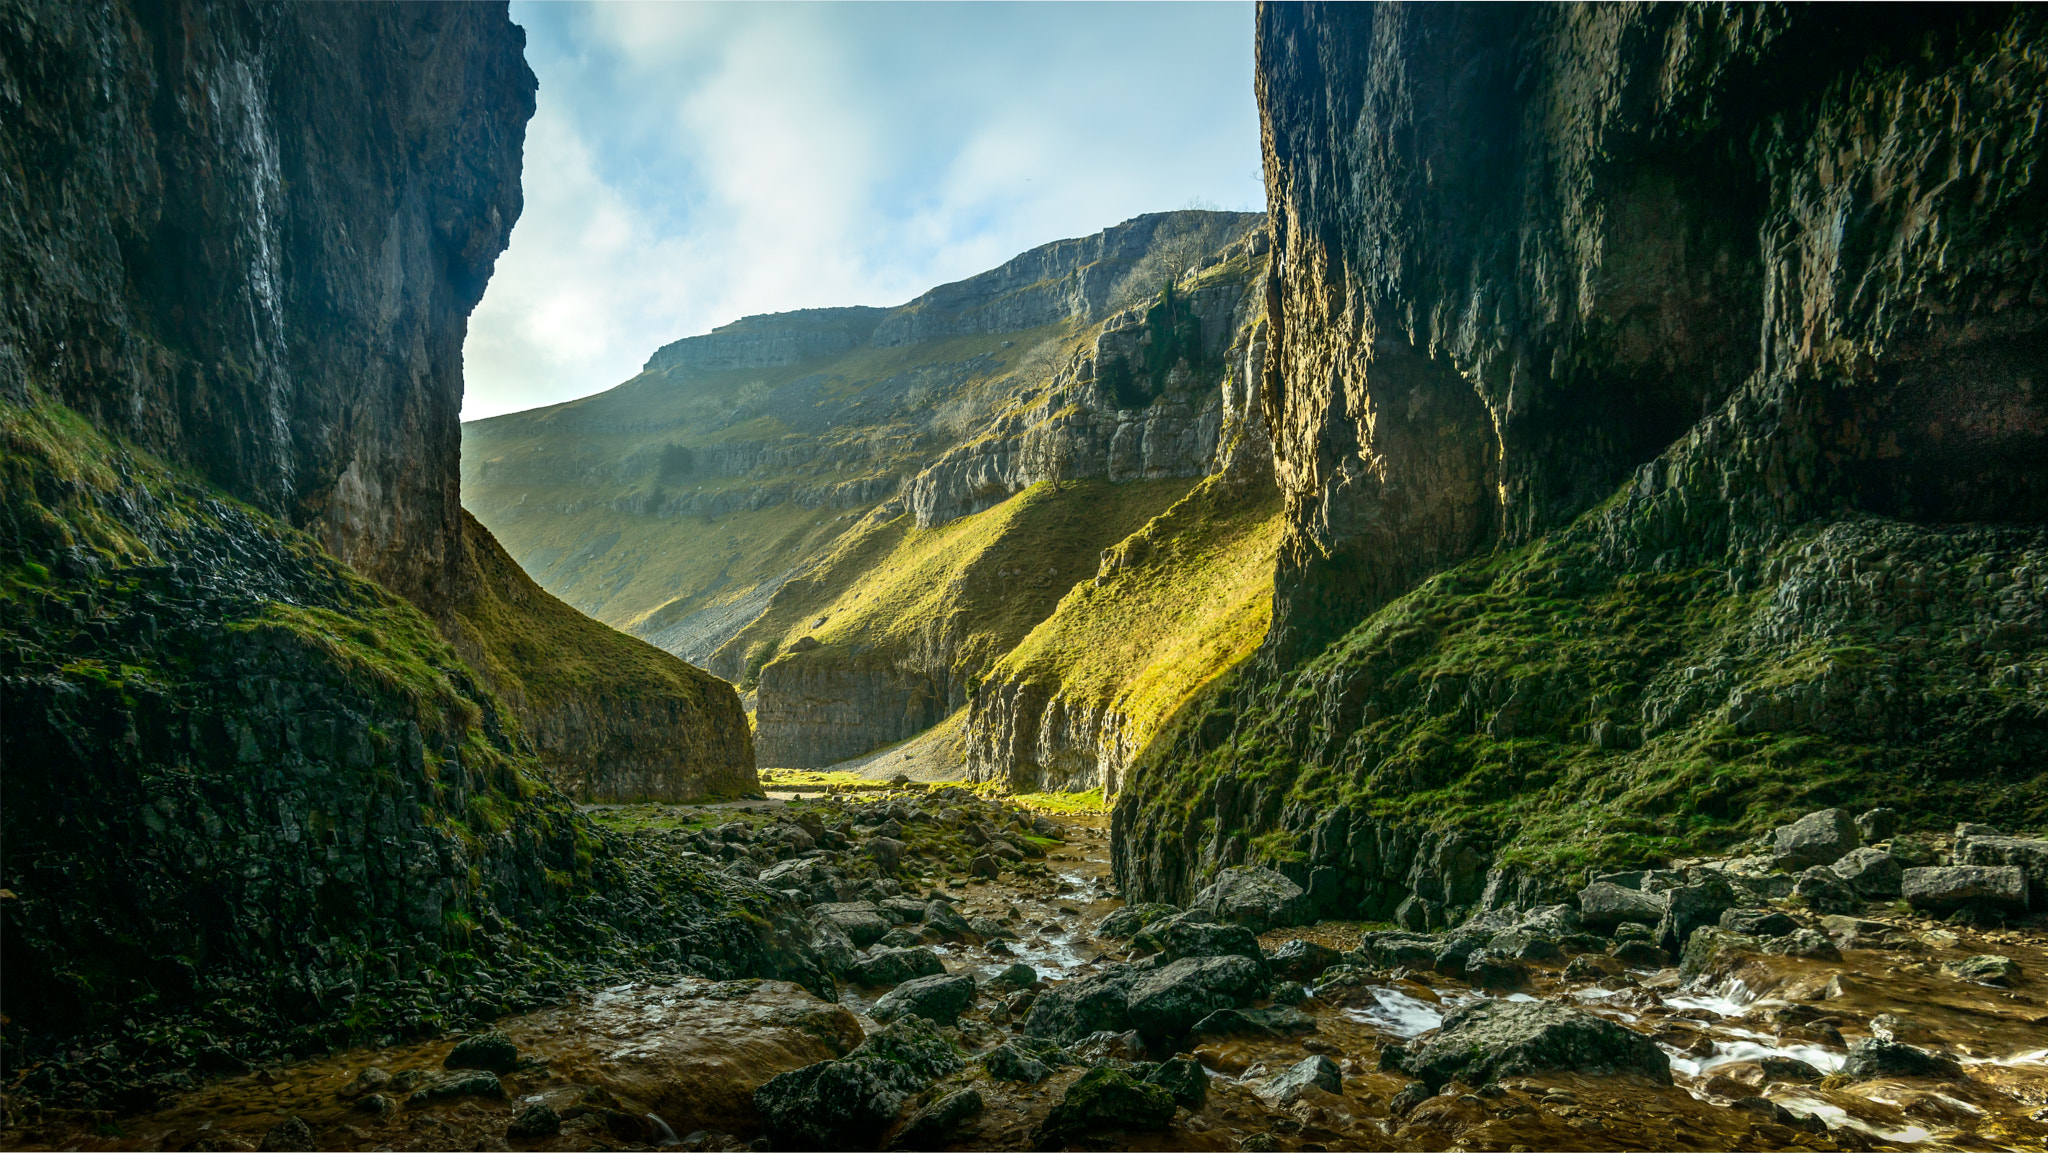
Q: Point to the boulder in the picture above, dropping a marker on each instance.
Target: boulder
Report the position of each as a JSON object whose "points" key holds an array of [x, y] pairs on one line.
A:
{"points": [[1604, 905], [1487, 969], [472, 1083], [1257, 898], [938, 998], [1758, 922], [1873, 873], [1941, 890], [1301, 960], [1708, 945], [1804, 943], [895, 966], [1125, 1048], [1687, 907], [1317, 1072], [1815, 839], [1104, 1098], [847, 1103], [1639, 955], [1985, 969], [833, 948], [1419, 914], [861, 921], [1166, 1002], [1071, 1010], [937, 1125], [1876, 1057], [2029, 856], [1392, 950], [941, 918], [1877, 825], [1125, 922], [1193, 935], [1017, 976], [1011, 1062], [536, 1122], [1824, 892], [292, 1133], [493, 1051], [1525, 945], [1185, 1078], [1481, 1042]]}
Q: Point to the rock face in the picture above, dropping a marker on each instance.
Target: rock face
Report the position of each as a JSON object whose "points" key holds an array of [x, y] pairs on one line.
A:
{"points": [[268, 280], [1567, 318]]}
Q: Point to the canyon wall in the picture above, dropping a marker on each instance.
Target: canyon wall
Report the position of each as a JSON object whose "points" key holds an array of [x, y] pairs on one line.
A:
{"points": [[1629, 366], [248, 239]]}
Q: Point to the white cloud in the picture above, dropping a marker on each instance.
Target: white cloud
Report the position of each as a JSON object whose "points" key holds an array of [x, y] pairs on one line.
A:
{"points": [[690, 164]]}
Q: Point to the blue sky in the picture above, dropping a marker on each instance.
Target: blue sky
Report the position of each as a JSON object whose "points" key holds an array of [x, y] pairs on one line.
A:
{"points": [[694, 163]]}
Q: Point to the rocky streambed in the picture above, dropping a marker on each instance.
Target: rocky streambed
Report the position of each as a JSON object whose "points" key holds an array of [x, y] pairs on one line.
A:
{"points": [[994, 993]]}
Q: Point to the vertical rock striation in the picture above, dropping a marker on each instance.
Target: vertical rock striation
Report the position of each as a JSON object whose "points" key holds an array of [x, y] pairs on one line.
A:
{"points": [[1681, 302]]}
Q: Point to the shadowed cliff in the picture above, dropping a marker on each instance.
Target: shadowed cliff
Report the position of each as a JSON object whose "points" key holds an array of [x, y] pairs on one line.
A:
{"points": [[1654, 400]]}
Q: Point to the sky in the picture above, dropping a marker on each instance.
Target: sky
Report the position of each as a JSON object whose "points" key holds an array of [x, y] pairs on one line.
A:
{"points": [[690, 164]]}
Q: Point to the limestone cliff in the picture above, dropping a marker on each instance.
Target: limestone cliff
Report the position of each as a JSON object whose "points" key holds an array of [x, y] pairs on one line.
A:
{"points": [[1697, 350], [248, 241], [244, 781]]}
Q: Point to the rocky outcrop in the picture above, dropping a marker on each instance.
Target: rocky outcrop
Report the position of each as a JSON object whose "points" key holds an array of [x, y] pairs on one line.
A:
{"points": [[813, 713], [254, 254], [1739, 309], [771, 340]]}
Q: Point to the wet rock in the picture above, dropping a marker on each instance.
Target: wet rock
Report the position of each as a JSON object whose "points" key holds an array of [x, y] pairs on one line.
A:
{"points": [[1011, 1062], [1877, 825], [1710, 944], [1787, 1069], [536, 1122], [1492, 1039], [990, 929], [493, 1051], [833, 948], [1487, 969], [468, 1084], [1126, 922], [906, 910], [1419, 914], [1017, 976], [1391, 950], [1317, 1072], [895, 966], [1876, 1057], [904, 937], [1299, 960], [1985, 969], [287, 1136], [861, 921], [1819, 838], [1279, 1021], [1604, 905], [1071, 1010], [1453, 953], [1412, 1094], [1192, 935], [1105, 1046], [1592, 967], [1640, 955], [1892, 1027], [984, 866], [1257, 898], [937, 998], [1185, 1078], [1758, 922], [376, 1105], [1824, 892], [1525, 945], [847, 1103], [942, 918], [1104, 1098], [369, 1080], [1873, 873], [1856, 933], [938, 1124], [1803, 943], [1944, 890], [1168, 1001]]}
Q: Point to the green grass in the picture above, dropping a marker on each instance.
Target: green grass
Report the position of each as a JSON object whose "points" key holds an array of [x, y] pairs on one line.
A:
{"points": [[1090, 801]]}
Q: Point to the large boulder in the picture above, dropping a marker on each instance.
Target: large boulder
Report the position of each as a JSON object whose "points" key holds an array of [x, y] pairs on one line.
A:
{"points": [[1688, 907], [1754, 922], [1825, 892], [1876, 1057], [862, 921], [1259, 899], [1873, 873], [1820, 838], [939, 998], [847, 1103], [1708, 944], [1301, 960], [1946, 889], [1125, 922], [940, 1123], [1392, 949], [943, 919], [1603, 905], [1104, 1098], [1491, 1039], [2027, 855], [1317, 1072], [1167, 1002], [1071, 1010], [895, 966], [1194, 935]]}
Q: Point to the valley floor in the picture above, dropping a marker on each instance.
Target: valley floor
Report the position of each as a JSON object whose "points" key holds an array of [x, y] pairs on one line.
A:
{"points": [[1760, 1048]]}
